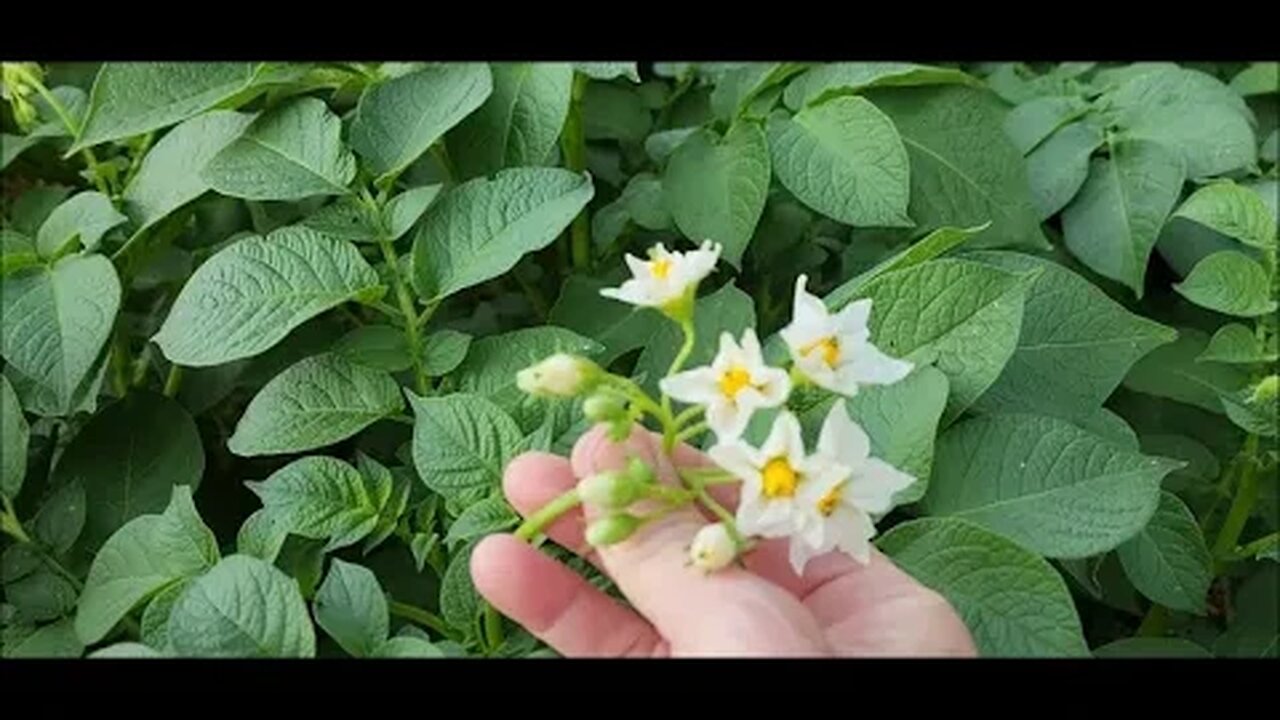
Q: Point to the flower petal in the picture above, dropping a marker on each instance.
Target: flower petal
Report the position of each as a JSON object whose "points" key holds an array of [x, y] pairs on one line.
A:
{"points": [[843, 439], [773, 386], [852, 319], [727, 419], [873, 485], [785, 439], [868, 365], [699, 385]]}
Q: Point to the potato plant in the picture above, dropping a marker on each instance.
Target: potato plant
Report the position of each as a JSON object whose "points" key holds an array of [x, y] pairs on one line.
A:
{"points": [[271, 333]]}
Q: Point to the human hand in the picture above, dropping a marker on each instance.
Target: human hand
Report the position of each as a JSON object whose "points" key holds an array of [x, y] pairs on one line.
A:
{"points": [[838, 608]]}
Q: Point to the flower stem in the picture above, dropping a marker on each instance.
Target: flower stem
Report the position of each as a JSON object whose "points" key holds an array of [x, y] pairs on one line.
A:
{"points": [[573, 145], [548, 514], [492, 627], [691, 431], [173, 381], [1241, 505], [405, 300], [425, 618], [688, 414], [71, 127]]}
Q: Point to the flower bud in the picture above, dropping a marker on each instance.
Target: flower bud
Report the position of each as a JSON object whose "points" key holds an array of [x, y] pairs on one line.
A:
{"points": [[612, 529], [639, 471], [620, 430], [609, 490], [604, 407], [713, 548], [1265, 391], [561, 375]]}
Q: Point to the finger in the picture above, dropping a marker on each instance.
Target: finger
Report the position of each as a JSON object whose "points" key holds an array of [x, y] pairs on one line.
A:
{"points": [[557, 605], [534, 479], [731, 610]]}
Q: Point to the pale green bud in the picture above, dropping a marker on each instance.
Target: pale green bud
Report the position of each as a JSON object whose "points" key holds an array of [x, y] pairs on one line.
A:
{"points": [[1265, 391], [610, 490], [712, 548], [612, 529], [639, 471], [605, 407], [561, 375]]}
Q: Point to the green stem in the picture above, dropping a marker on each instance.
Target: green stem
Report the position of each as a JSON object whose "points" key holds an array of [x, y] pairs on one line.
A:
{"points": [[1155, 622], [425, 618], [71, 127], [120, 364], [173, 381], [688, 414], [9, 522], [691, 431], [136, 162], [492, 627], [411, 333], [1257, 546], [548, 514], [403, 419], [446, 163], [1242, 505], [573, 144], [669, 438], [723, 515]]}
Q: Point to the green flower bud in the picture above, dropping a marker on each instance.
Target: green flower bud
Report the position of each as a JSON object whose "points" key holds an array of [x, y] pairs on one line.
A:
{"points": [[561, 375], [605, 407], [620, 430], [1265, 391], [612, 529], [610, 490], [639, 471]]}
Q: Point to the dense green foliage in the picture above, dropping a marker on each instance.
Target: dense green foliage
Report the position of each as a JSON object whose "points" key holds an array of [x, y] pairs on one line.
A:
{"points": [[262, 323]]}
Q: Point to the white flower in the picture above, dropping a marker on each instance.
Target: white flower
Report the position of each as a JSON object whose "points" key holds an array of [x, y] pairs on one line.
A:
{"points": [[835, 351], [560, 375], [773, 478], [733, 386], [842, 509], [713, 548], [666, 277]]}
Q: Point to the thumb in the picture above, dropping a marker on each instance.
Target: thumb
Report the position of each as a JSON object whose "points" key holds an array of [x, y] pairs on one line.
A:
{"points": [[731, 611]]}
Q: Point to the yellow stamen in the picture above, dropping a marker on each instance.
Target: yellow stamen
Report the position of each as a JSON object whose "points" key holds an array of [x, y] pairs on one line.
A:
{"points": [[660, 268], [780, 478], [830, 348], [827, 503], [734, 380]]}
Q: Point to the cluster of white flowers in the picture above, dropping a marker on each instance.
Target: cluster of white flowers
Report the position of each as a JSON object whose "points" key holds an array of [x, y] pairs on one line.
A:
{"points": [[825, 500]]}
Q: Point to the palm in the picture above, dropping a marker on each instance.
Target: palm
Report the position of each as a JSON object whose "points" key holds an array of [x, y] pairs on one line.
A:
{"points": [[838, 607]]}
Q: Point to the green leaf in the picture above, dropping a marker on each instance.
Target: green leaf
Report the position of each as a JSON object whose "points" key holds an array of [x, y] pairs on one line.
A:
{"points": [[935, 244], [41, 400], [1058, 169], [170, 174], [243, 607], [716, 186], [480, 229], [86, 217], [346, 218], [844, 159], [961, 315], [16, 251], [1171, 371], [1260, 78], [1106, 425], [735, 91], [1231, 283], [1190, 113], [11, 146], [407, 647], [1168, 560], [1254, 630], [131, 458], [1113, 223], [485, 517], [461, 442], [380, 347], [1031, 122], [14, 436], [661, 144], [1075, 345], [398, 120], [126, 650], [1151, 647], [1044, 483], [1234, 211], [391, 511], [444, 351], [403, 210], [518, 124], [351, 608], [1236, 344], [155, 619], [57, 319], [31, 208], [459, 601], [323, 498], [902, 420], [261, 535], [60, 519], [302, 560], [1014, 602], [131, 98], [32, 587], [608, 70], [317, 402], [828, 80], [249, 296], [614, 112], [492, 363], [964, 170], [1201, 468], [142, 557], [57, 640], [292, 152]]}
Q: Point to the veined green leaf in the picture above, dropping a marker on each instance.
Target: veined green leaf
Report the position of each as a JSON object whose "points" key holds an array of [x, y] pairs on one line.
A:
{"points": [[1234, 211], [1058, 168], [518, 124], [14, 435], [351, 608], [1171, 371], [1230, 283], [380, 347], [1044, 483], [487, 516], [444, 350], [827, 80], [1168, 560], [323, 498], [249, 296], [316, 402], [1260, 78], [1238, 345], [608, 70], [461, 442], [1031, 122], [86, 217]]}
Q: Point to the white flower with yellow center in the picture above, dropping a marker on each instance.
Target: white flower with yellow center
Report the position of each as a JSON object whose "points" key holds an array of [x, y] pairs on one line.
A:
{"points": [[842, 509], [775, 479], [835, 351], [733, 386], [665, 279]]}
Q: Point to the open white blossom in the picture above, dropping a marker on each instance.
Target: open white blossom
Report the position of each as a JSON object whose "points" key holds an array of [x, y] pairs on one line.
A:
{"points": [[712, 548], [857, 490], [835, 351], [773, 478], [733, 386], [666, 277]]}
